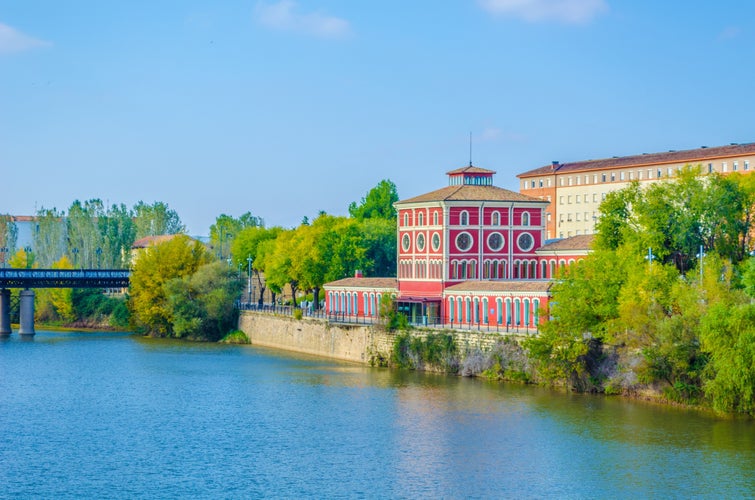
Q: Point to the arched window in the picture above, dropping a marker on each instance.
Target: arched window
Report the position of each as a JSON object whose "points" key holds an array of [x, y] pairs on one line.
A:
{"points": [[458, 309], [544, 270], [464, 218], [495, 219], [517, 312], [406, 218], [467, 309], [499, 310], [476, 310], [435, 218], [533, 269], [508, 312], [355, 303], [525, 218], [330, 301], [536, 307], [553, 268], [502, 270], [463, 270], [527, 312], [372, 304], [485, 310], [366, 308], [451, 309], [516, 269], [473, 269], [421, 219]]}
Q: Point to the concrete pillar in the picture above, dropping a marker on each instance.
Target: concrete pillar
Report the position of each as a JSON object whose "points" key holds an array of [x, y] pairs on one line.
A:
{"points": [[26, 313], [5, 328]]}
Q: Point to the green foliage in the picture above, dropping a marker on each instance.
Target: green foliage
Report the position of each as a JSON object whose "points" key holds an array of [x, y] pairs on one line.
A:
{"points": [[437, 350], [149, 303], [156, 219], [298, 314], [389, 316], [200, 305], [226, 229], [8, 236], [235, 337], [378, 204]]}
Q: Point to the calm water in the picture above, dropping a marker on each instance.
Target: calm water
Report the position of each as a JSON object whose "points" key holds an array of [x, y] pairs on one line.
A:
{"points": [[117, 416]]}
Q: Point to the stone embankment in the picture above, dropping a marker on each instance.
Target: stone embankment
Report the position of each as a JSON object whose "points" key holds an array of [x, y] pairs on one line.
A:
{"points": [[342, 341]]}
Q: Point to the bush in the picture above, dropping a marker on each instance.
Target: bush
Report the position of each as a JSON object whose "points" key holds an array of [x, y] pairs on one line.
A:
{"points": [[436, 350]]}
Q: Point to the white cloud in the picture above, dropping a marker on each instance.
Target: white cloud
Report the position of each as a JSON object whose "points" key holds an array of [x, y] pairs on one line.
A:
{"points": [[12, 40], [285, 15], [566, 11]]}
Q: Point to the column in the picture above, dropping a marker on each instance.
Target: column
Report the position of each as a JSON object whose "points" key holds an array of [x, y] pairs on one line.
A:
{"points": [[26, 313], [5, 328]]}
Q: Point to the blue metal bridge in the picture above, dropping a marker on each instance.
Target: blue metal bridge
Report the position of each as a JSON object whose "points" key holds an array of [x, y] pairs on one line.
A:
{"points": [[49, 278]]}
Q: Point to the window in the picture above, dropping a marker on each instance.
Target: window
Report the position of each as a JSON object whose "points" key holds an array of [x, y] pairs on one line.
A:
{"points": [[451, 309], [406, 242], [670, 172], [533, 184], [436, 242], [568, 199], [435, 218], [747, 164], [724, 168], [561, 200], [495, 241], [421, 219], [621, 176], [570, 181], [594, 178], [525, 242], [735, 166], [541, 183], [613, 176], [495, 219], [526, 219], [595, 197], [421, 241], [464, 218], [578, 198], [406, 219], [603, 177], [639, 175], [485, 310], [463, 242]]}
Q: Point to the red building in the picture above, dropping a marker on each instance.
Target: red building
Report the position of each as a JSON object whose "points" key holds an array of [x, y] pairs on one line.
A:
{"points": [[469, 254]]}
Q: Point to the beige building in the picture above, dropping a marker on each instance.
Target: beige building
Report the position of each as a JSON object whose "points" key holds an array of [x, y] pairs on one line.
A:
{"points": [[575, 190]]}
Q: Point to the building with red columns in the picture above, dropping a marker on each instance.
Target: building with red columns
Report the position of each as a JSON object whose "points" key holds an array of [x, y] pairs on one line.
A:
{"points": [[469, 254]]}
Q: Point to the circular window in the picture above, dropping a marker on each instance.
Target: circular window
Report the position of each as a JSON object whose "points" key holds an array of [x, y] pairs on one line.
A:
{"points": [[495, 241], [525, 242], [420, 242], [464, 242], [405, 242], [436, 242]]}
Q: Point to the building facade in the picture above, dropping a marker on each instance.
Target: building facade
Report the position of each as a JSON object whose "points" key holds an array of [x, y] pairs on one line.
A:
{"points": [[469, 254], [575, 190]]}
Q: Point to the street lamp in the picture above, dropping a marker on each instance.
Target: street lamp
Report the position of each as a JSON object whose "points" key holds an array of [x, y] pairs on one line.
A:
{"points": [[27, 251], [249, 271]]}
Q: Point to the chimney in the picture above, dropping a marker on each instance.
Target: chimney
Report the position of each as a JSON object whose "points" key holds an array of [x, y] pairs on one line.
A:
{"points": [[554, 165], [358, 273]]}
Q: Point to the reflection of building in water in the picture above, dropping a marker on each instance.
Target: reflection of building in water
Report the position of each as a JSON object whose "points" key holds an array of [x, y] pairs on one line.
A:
{"points": [[469, 254]]}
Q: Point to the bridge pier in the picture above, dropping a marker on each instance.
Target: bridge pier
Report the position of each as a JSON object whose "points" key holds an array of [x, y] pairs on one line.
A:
{"points": [[26, 313], [5, 328]]}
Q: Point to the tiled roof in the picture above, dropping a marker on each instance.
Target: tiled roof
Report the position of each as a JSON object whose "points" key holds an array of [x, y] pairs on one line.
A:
{"points": [[149, 241], [470, 169], [501, 286], [468, 192], [692, 156], [581, 242], [365, 283]]}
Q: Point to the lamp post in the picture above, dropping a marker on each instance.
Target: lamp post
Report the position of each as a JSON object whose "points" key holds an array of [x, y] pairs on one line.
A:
{"points": [[650, 257], [27, 255], [249, 271], [75, 253]]}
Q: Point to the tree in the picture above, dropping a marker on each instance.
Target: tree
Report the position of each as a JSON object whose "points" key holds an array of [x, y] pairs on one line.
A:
{"points": [[50, 236], [225, 230], [148, 299], [277, 257], [378, 203], [201, 304], [8, 236], [247, 245], [156, 219]]}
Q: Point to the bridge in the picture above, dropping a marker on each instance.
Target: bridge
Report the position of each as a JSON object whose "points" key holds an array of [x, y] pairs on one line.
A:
{"points": [[49, 278]]}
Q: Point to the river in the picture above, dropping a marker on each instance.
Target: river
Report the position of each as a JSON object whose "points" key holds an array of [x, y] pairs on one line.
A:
{"points": [[103, 415]]}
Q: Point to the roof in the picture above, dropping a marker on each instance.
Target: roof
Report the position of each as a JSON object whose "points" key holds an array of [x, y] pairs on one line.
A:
{"points": [[686, 156], [149, 241], [468, 192], [581, 242], [501, 286], [391, 283], [471, 169]]}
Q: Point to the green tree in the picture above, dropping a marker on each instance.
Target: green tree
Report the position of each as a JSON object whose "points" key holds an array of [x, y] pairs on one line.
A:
{"points": [[247, 245], [225, 230], [148, 303], [8, 236], [378, 203], [201, 305], [49, 236], [156, 219]]}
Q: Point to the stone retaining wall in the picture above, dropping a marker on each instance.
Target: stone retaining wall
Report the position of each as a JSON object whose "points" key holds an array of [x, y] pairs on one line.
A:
{"points": [[347, 342]]}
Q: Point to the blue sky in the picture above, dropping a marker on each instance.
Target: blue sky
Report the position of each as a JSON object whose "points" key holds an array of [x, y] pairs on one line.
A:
{"points": [[285, 108]]}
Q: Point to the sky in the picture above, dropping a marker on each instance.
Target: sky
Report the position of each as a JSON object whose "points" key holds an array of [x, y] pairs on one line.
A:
{"points": [[285, 108]]}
